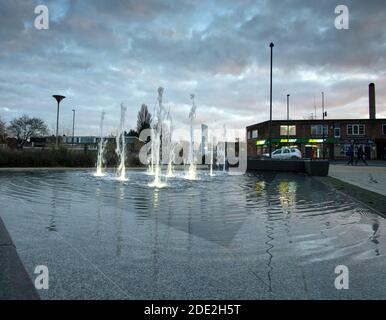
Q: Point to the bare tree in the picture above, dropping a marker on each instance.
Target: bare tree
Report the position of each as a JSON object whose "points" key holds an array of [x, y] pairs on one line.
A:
{"points": [[2, 130], [143, 119], [24, 128]]}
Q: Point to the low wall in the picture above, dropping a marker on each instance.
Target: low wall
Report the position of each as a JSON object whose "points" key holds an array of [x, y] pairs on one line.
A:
{"points": [[311, 167], [15, 283]]}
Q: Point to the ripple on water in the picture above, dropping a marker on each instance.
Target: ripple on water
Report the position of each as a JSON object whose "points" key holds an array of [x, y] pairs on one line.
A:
{"points": [[282, 214]]}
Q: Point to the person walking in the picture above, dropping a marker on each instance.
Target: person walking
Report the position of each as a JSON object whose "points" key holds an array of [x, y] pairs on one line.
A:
{"points": [[361, 156], [350, 154]]}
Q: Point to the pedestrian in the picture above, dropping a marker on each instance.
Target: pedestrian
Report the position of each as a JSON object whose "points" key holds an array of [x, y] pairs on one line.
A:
{"points": [[361, 156], [350, 154]]}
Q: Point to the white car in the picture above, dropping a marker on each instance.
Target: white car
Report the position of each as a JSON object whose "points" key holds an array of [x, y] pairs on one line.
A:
{"points": [[285, 153]]}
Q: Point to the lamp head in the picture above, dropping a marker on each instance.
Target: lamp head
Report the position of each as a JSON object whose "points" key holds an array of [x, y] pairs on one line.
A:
{"points": [[58, 97]]}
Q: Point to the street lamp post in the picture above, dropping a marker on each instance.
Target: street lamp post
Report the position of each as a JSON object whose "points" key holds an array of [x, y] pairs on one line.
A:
{"points": [[271, 45], [288, 120], [324, 154], [58, 98], [73, 125]]}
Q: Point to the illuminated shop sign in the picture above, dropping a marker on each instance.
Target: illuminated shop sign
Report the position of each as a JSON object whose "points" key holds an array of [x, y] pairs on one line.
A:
{"points": [[316, 140], [297, 140], [288, 140], [260, 142]]}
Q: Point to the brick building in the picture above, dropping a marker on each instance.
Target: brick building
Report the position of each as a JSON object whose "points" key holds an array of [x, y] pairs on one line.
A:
{"points": [[311, 136]]}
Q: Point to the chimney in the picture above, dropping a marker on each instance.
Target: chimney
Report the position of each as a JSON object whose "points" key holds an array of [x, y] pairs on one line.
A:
{"points": [[372, 101]]}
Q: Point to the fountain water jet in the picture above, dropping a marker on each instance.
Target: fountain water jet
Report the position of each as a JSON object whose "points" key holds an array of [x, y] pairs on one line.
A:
{"points": [[170, 173], [100, 161], [151, 170], [224, 148], [192, 173], [156, 143], [211, 158], [120, 149], [221, 153]]}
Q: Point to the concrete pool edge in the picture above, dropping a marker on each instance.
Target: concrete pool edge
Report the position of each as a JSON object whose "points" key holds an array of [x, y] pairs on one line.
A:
{"points": [[311, 167], [15, 282], [374, 201]]}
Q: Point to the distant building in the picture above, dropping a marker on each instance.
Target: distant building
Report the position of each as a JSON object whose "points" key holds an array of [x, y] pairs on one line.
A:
{"points": [[134, 144], [310, 135], [89, 143]]}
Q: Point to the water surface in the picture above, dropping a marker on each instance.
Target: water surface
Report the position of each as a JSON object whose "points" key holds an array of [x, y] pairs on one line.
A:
{"points": [[255, 236]]}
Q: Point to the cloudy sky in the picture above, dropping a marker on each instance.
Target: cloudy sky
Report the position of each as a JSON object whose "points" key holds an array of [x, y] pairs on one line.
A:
{"points": [[101, 53]]}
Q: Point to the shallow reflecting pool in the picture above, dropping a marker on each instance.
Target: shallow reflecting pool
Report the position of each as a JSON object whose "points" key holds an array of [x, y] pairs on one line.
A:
{"points": [[255, 236]]}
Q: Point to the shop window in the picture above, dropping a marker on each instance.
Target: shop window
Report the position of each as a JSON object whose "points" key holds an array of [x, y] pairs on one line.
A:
{"points": [[288, 130]]}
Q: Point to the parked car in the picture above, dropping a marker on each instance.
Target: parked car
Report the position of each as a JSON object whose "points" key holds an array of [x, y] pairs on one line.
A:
{"points": [[285, 153]]}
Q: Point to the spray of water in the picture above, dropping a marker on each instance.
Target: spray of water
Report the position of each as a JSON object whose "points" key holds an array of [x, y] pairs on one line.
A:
{"points": [[100, 160], [156, 142], [211, 158], [170, 171], [192, 173], [224, 148], [121, 144], [150, 170]]}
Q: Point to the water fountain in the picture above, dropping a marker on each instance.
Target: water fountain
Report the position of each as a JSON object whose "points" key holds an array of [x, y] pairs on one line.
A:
{"points": [[192, 173], [151, 170], [156, 142], [211, 158], [170, 171], [224, 148], [121, 144], [100, 161]]}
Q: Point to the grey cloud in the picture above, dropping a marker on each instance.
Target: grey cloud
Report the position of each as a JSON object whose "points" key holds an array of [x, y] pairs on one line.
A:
{"points": [[100, 53]]}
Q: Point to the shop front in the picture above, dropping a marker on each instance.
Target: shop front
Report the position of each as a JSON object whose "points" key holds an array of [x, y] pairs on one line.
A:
{"points": [[368, 145], [381, 148], [311, 148]]}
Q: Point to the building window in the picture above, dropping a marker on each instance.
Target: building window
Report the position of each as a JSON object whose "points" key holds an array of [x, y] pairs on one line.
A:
{"points": [[255, 134], [288, 130], [249, 134], [384, 129], [336, 132], [316, 130], [355, 129]]}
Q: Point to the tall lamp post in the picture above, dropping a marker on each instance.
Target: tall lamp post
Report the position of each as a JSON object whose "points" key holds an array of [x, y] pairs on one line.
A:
{"points": [[271, 45], [73, 126], [58, 98], [323, 151], [288, 120]]}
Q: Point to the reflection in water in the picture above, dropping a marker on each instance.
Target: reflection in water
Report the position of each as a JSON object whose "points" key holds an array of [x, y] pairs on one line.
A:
{"points": [[156, 198], [156, 250], [287, 195], [212, 232], [52, 223], [269, 230], [259, 187], [374, 238], [98, 208], [119, 210]]}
